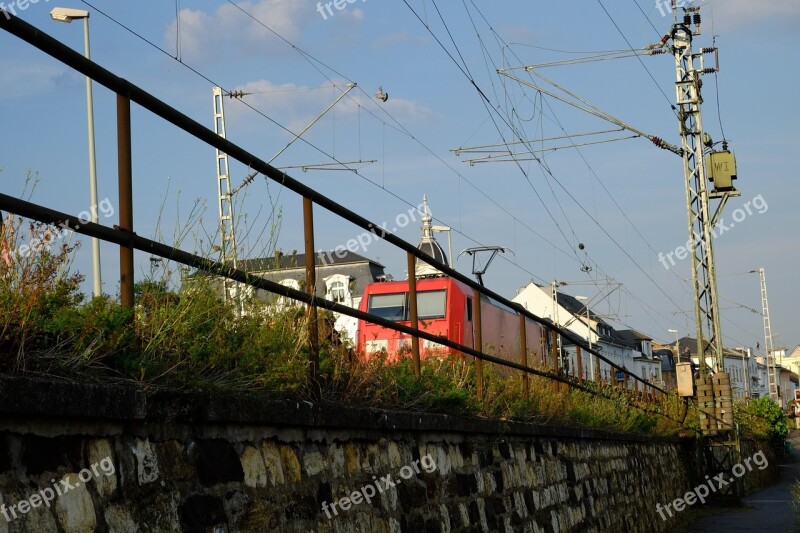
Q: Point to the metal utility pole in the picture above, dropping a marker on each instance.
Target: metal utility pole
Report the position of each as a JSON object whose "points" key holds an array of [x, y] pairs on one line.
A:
{"points": [[227, 253], [690, 66], [773, 376]]}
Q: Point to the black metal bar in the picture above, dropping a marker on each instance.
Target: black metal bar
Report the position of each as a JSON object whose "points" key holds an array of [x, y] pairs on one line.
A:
{"points": [[63, 220], [69, 57]]}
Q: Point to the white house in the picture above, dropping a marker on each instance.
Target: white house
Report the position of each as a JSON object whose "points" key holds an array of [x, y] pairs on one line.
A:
{"points": [[628, 349], [341, 278]]}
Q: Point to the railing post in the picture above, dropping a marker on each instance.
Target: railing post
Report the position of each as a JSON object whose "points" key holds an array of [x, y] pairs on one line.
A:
{"points": [[598, 373], [311, 289], [125, 185], [579, 362], [412, 310], [476, 305], [554, 353], [523, 356]]}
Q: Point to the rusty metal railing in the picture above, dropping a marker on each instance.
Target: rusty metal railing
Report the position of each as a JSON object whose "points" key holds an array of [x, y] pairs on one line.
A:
{"points": [[125, 236]]}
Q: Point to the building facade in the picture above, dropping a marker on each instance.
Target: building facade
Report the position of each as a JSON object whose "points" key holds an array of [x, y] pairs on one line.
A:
{"points": [[628, 349], [341, 278]]}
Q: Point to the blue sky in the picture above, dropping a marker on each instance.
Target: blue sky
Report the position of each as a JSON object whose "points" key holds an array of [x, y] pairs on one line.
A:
{"points": [[432, 109]]}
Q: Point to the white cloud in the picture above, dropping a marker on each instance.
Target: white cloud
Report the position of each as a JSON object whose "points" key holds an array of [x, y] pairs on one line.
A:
{"points": [[295, 106], [205, 35], [735, 14], [22, 80]]}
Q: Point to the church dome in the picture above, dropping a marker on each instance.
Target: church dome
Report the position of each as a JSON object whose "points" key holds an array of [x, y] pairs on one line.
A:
{"points": [[429, 245]]}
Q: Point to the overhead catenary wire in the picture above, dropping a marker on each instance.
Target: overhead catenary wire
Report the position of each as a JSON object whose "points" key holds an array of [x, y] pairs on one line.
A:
{"points": [[546, 169], [650, 74], [593, 171], [399, 128], [491, 110], [187, 66], [472, 81]]}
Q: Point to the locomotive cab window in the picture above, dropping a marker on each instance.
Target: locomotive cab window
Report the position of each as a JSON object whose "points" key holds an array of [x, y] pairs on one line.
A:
{"points": [[388, 306], [431, 304]]}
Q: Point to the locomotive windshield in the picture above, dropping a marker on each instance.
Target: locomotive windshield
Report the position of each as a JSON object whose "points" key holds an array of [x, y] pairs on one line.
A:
{"points": [[388, 306], [430, 304]]}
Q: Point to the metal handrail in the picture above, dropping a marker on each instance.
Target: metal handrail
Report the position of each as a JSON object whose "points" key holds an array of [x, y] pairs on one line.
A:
{"points": [[128, 91]]}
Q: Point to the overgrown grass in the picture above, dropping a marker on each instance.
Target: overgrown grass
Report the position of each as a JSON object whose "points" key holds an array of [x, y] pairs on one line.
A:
{"points": [[188, 338], [796, 502]]}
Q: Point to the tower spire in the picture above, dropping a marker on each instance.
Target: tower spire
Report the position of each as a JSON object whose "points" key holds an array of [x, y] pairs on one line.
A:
{"points": [[428, 244]]}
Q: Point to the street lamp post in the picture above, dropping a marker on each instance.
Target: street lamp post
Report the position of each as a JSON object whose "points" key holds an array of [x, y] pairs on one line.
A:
{"points": [[62, 14], [677, 344]]}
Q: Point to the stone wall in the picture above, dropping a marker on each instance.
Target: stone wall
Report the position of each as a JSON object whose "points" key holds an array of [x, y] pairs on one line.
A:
{"points": [[128, 461]]}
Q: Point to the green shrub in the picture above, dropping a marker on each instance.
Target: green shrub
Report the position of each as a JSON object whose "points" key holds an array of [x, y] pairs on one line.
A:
{"points": [[767, 420]]}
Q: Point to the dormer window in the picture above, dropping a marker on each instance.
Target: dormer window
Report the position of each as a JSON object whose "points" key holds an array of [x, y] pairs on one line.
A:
{"points": [[337, 289], [288, 302]]}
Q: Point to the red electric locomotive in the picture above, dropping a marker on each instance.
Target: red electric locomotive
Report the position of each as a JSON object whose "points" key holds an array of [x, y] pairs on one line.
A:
{"points": [[444, 308]]}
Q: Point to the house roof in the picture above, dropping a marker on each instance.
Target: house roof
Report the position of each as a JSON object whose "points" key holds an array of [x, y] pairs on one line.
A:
{"points": [[689, 345], [667, 359], [631, 336], [574, 306], [626, 338], [292, 261]]}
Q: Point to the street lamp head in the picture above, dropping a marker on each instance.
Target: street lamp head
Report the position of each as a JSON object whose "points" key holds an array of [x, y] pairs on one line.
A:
{"points": [[672, 331], [66, 14], [581, 298]]}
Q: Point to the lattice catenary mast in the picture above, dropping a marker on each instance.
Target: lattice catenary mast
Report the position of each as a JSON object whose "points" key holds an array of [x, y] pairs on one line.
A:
{"points": [[769, 347], [227, 253], [690, 66]]}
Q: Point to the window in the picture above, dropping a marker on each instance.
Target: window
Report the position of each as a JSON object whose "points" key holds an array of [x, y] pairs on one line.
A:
{"points": [[291, 283], [389, 306], [338, 292], [338, 289], [288, 302], [431, 304]]}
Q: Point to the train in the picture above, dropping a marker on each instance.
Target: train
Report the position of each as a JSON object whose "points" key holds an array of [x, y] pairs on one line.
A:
{"points": [[445, 309]]}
